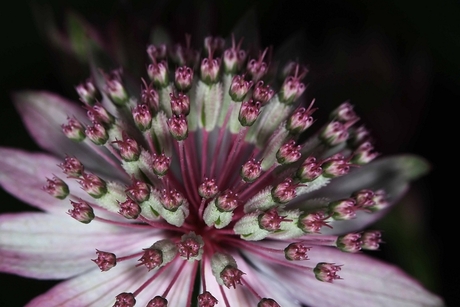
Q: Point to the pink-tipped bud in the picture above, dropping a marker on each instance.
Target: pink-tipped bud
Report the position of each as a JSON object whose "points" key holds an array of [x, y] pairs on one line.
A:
{"points": [[309, 170], [125, 299], [291, 90], [158, 301], [268, 302], [258, 68], [210, 69], [251, 170], [208, 188], [326, 272], [74, 130], [72, 167], [371, 239], [129, 209], [227, 201], [56, 187], [180, 104], [284, 192], [288, 153], [249, 111], [158, 74], [139, 191], [239, 88], [129, 149], [380, 201], [233, 60], [364, 154], [105, 261], [183, 78], [98, 113], [206, 299], [358, 136], [115, 89], [296, 252], [335, 166], [93, 185], [344, 113], [178, 127], [312, 222], [97, 133], [88, 93], [160, 164], [171, 199], [157, 52], [300, 120], [231, 276], [152, 258], [350, 243], [190, 246], [142, 117], [344, 209], [334, 133], [81, 211], [149, 96], [364, 198], [263, 93], [271, 220]]}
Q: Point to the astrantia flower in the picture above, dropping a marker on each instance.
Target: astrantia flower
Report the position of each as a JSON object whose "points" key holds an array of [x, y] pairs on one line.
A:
{"points": [[207, 183]]}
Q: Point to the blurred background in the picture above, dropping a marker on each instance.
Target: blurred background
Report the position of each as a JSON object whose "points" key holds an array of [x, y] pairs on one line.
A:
{"points": [[396, 61]]}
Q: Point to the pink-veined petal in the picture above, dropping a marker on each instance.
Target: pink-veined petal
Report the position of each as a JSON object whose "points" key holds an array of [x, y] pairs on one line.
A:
{"points": [[366, 281], [43, 114], [41, 245]]}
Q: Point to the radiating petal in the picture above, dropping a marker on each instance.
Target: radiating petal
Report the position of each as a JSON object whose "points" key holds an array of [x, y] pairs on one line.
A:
{"points": [[43, 114], [366, 281], [42, 245]]}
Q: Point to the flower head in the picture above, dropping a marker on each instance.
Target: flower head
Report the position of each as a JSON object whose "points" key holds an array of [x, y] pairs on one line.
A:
{"points": [[208, 184]]}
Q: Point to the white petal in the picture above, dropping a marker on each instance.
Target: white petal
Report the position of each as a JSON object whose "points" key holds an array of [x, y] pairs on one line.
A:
{"points": [[41, 245]]}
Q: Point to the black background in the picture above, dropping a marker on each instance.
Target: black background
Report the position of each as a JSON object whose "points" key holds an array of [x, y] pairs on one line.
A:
{"points": [[397, 61]]}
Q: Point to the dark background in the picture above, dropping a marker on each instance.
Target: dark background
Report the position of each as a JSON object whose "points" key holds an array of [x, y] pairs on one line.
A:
{"points": [[397, 61]]}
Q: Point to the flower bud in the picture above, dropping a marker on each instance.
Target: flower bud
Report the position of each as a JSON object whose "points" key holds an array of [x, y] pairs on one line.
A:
{"points": [[178, 127], [105, 261], [183, 78], [74, 130], [57, 188], [158, 73], [239, 88], [249, 111], [81, 211]]}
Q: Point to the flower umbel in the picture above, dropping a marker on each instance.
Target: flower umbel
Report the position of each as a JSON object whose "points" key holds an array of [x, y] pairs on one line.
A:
{"points": [[207, 184]]}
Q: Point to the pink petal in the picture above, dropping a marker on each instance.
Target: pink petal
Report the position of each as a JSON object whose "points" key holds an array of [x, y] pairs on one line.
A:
{"points": [[366, 282], [43, 114], [41, 245]]}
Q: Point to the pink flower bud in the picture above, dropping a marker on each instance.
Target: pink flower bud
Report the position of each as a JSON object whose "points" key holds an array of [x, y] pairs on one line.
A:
{"points": [[326, 272], [178, 127], [142, 117], [183, 78], [288, 153], [56, 187], [249, 111], [81, 211], [74, 130], [180, 104], [105, 261], [239, 88]]}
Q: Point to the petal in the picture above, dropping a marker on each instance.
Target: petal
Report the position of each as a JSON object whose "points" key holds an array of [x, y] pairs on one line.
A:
{"points": [[366, 281], [43, 114], [94, 289], [391, 174], [41, 245]]}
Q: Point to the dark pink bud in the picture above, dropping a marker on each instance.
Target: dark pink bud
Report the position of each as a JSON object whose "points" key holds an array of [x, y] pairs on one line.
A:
{"points": [[81, 211], [249, 111], [171, 199], [142, 117], [56, 187], [364, 154], [344, 209], [180, 104], [210, 69], [227, 201], [74, 130], [263, 93], [139, 191], [300, 120], [160, 164], [125, 300], [335, 166], [158, 301], [190, 246], [129, 209], [350, 243], [271, 220], [206, 299], [296, 251], [158, 74], [114, 87], [97, 133], [178, 127], [312, 222], [239, 88], [233, 58], [152, 258], [288, 153], [326, 272], [149, 96], [371, 239], [129, 150], [72, 167], [157, 52], [231, 276], [105, 261], [284, 192], [251, 170], [309, 170], [208, 188], [88, 93], [93, 185], [258, 68], [98, 113], [344, 113], [183, 78]]}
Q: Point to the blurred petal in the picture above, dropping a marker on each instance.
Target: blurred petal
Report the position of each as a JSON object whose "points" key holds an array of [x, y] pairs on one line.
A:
{"points": [[40, 245]]}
